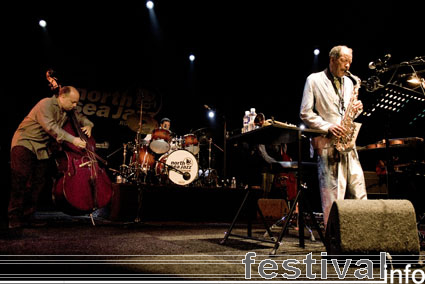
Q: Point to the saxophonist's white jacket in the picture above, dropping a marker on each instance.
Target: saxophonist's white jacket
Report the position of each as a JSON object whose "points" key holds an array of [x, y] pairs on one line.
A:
{"points": [[340, 174]]}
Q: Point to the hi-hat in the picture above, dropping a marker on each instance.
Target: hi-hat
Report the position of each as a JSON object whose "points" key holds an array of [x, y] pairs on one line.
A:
{"points": [[148, 123]]}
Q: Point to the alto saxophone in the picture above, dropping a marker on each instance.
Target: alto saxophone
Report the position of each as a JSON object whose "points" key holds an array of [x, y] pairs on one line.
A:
{"points": [[346, 142]]}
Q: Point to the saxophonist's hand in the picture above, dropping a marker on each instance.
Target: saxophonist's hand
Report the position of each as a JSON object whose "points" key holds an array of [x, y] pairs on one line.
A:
{"points": [[357, 106], [337, 130]]}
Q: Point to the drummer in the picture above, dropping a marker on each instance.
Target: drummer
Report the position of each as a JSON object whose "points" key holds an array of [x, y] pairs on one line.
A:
{"points": [[165, 123]]}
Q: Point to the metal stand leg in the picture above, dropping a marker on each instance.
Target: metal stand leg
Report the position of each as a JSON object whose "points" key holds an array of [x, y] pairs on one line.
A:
{"points": [[298, 198], [139, 204], [420, 234], [228, 233], [279, 223], [92, 220]]}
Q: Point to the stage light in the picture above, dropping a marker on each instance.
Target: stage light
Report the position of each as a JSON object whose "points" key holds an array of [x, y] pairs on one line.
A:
{"points": [[302, 126], [149, 5], [211, 114], [192, 58], [414, 80], [316, 51], [42, 23]]}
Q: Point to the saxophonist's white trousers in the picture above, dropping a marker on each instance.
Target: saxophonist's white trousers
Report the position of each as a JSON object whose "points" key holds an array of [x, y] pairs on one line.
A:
{"points": [[340, 176]]}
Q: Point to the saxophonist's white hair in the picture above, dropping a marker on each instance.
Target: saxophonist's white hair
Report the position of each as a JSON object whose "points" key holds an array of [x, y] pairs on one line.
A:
{"points": [[336, 51]]}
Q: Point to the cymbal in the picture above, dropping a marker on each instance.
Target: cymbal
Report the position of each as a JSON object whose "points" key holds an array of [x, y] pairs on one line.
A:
{"points": [[148, 123], [205, 131], [204, 134]]}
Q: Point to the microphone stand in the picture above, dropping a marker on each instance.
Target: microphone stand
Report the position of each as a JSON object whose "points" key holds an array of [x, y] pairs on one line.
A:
{"points": [[186, 175], [224, 147], [417, 61], [224, 141]]}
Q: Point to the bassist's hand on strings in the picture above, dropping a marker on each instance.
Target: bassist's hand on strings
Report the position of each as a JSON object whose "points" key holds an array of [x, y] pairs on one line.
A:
{"points": [[87, 130], [79, 142]]}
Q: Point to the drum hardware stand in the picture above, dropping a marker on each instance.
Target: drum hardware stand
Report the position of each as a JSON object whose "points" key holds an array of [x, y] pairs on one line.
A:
{"points": [[139, 201], [140, 184], [121, 169], [138, 167], [209, 170], [113, 153], [209, 161], [124, 154], [209, 153]]}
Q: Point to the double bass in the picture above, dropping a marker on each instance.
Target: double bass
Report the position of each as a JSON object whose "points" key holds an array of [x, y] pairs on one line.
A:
{"points": [[83, 185]]}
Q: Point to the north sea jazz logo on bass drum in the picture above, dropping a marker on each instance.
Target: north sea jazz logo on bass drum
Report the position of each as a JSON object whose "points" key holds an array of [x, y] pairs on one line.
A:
{"points": [[183, 167]]}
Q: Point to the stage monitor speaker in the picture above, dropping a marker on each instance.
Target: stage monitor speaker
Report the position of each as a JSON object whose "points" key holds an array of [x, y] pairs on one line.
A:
{"points": [[359, 227]]}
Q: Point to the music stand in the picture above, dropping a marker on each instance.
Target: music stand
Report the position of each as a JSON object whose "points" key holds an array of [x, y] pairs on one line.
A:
{"points": [[407, 106]]}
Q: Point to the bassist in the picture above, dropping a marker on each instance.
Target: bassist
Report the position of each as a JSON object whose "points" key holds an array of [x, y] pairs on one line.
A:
{"points": [[30, 153]]}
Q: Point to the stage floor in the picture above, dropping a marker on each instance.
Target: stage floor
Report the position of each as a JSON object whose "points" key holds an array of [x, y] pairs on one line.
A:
{"points": [[71, 248]]}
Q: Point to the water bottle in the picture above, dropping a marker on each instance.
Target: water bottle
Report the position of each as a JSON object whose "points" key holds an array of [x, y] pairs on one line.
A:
{"points": [[252, 116], [233, 183], [245, 122]]}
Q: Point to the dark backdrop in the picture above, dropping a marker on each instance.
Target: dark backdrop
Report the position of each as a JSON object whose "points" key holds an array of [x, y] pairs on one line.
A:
{"points": [[255, 54]]}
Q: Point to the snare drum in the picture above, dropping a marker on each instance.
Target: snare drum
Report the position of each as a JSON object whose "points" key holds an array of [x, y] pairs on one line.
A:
{"points": [[176, 143], [181, 166], [191, 143], [160, 141]]}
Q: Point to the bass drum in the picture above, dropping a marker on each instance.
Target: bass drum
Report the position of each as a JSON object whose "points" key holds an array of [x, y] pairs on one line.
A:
{"points": [[181, 160]]}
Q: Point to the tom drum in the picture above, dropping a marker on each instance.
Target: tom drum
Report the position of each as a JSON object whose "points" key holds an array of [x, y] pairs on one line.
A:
{"points": [[160, 141], [191, 143]]}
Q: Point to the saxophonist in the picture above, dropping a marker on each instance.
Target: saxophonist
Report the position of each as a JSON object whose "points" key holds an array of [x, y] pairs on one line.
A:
{"points": [[326, 97]]}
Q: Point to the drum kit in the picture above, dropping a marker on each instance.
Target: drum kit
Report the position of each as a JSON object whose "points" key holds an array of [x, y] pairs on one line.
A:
{"points": [[166, 158]]}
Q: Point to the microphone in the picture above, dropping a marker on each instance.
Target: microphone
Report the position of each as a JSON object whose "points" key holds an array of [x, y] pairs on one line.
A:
{"points": [[379, 62], [372, 84]]}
